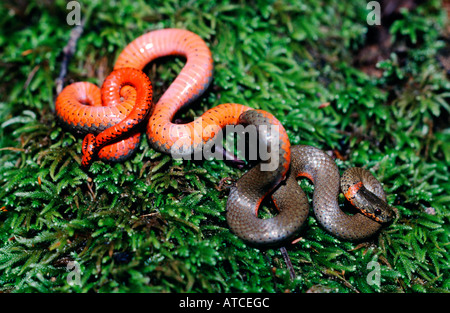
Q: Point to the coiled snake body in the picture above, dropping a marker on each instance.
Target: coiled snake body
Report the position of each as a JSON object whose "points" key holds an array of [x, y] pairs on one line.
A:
{"points": [[110, 116]]}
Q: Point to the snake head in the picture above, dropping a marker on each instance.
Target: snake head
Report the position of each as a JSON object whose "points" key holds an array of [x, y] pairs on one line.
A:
{"points": [[372, 206]]}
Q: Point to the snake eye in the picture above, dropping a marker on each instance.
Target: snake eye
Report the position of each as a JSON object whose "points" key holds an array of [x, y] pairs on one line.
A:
{"points": [[377, 212]]}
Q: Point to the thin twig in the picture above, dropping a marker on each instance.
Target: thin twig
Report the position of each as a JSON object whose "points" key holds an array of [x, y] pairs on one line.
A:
{"points": [[288, 262], [31, 75], [68, 51]]}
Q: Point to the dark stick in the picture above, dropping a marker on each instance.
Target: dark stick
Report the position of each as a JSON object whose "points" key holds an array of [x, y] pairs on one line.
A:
{"points": [[68, 51], [287, 260]]}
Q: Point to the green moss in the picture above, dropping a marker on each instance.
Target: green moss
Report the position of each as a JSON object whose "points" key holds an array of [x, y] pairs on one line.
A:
{"points": [[157, 224]]}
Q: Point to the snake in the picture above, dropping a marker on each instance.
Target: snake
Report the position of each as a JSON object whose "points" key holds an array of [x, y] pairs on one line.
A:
{"points": [[112, 119], [357, 184]]}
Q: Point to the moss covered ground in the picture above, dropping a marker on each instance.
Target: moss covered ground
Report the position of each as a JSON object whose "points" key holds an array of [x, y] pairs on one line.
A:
{"points": [[375, 96]]}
